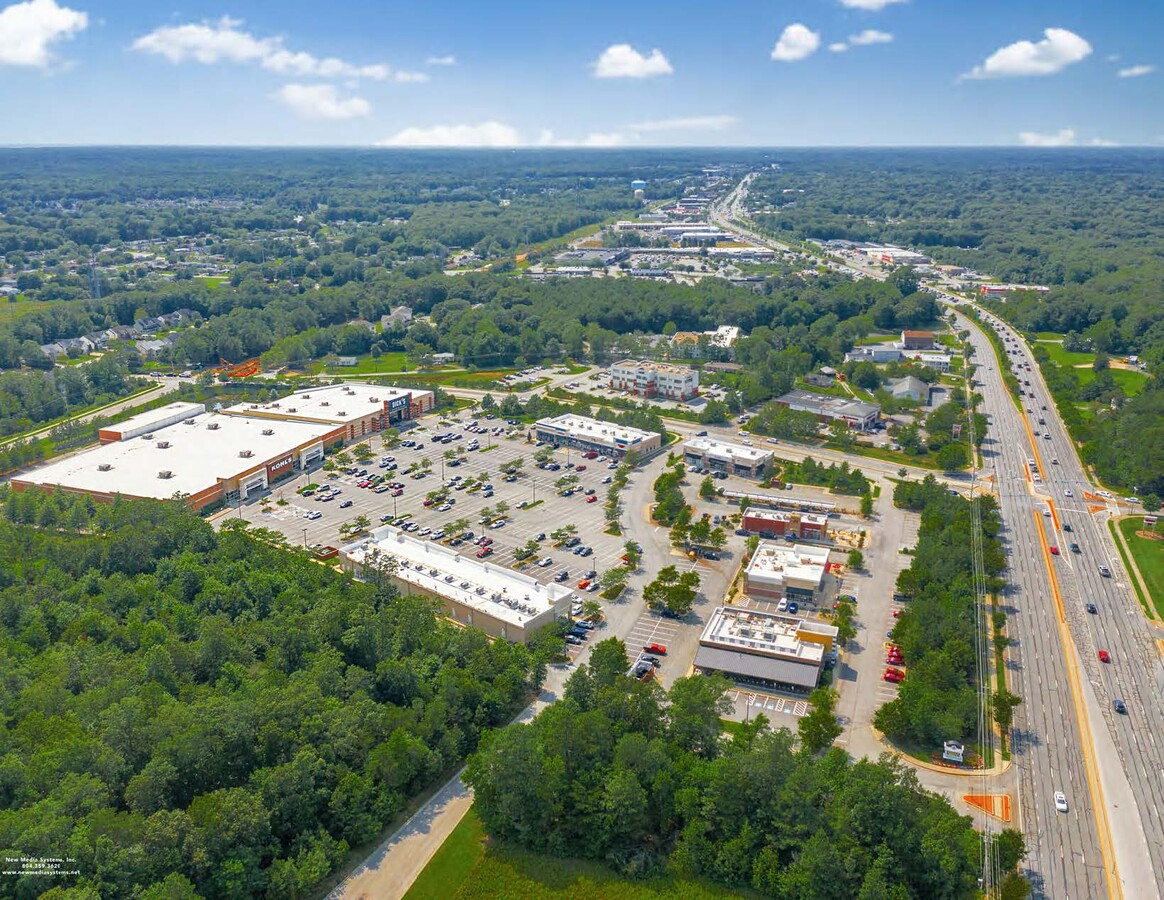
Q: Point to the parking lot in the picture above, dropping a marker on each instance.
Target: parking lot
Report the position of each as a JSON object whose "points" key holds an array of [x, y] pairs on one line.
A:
{"points": [[547, 509]]}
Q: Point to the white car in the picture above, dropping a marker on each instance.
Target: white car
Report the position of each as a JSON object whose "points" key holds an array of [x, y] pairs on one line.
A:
{"points": [[1060, 801], [782, 605], [545, 562], [1067, 492]]}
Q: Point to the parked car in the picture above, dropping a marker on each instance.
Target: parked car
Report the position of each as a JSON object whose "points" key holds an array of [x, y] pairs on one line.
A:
{"points": [[655, 648], [345, 504], [894, 676]]}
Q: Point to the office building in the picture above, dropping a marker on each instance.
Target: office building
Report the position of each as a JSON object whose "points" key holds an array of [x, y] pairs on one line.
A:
{"points": [[917, 340], [501, 602], [770, 650], [771, 523], [652, 379], [722, 456]]}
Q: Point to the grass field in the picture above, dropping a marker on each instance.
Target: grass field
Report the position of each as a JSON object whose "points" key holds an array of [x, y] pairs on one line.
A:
{"points": [[1130, 380], [388, 362], [467, 867], [1149, 557], [213, 280]]}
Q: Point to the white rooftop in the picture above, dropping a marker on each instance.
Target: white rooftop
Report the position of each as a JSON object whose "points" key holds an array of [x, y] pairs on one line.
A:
{"points": [[335, 403], [593, 429], [153, 417], [800, 563], [775, 515], [755, 631], [196, 456], [491, 588], [727, 450]]}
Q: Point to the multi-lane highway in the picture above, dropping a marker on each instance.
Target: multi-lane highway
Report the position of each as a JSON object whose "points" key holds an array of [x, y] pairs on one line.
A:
{"points": [[1067, 735]]}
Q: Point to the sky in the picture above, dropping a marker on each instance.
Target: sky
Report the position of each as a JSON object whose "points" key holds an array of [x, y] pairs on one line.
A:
{"points": [[780, 73]]}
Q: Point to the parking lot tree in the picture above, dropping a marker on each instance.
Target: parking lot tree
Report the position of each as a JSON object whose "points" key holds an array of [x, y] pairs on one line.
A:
{"points": [[608, 662], [855, 560], [514, 466], [363, 452], [717, 538], [501, 508], [452, 453], [592, 610], [672, 593], [867, 504], [343, 458], [699, 531], [564, 532], [487, 403], [544, 454], [426, 465], [844, 620], [820, 727], [566, 481], [532, 546], [457, 527], [707, 488], [487, 512], [633, 553], [614, 577]]}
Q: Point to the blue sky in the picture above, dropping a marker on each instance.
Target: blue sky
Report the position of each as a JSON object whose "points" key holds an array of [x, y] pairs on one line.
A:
{"points": [[644, 73]]}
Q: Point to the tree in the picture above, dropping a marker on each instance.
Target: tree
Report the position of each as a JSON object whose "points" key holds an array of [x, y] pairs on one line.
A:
{"points": [[671, 593], [608, 662], [846, 627], [616, 577], [952, 457], [820, 727], [1151, 503], [591, 610], [856, 560], [1004, 704], [867, 505], [841, 434], [487, 403], [695, 706], [1011, 847], [633, 553], [707, 488]]}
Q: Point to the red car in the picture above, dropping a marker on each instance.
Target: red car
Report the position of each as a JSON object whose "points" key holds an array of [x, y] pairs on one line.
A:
{"points": [[1054, 551], [896, 613], [398, 492], [428, 502], [483, 552], [583, 584], [363, 483], [655, 648], [579, 468], [591, 499], [894, 676], [1104, 656]]}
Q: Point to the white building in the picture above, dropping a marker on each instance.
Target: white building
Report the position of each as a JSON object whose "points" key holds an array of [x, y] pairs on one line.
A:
{"points": [[768, 649], [932, 359], [479, 593], [652, 379], [592, 435], [723, 456], [792, 572]]}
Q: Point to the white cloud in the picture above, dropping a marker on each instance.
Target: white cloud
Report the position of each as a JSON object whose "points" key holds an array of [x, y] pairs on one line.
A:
{"points": [[1064, 137], [796, 42], [1113, 57], [838, 47], [624, 61], [1058, 49], [688, 123], [448, 60], [28, 29], [321, 101], [870, 36], [486, 134], [869, 5], [1102, 142], [1135, 71], [603, 139], [224, 41], [402, 77]]}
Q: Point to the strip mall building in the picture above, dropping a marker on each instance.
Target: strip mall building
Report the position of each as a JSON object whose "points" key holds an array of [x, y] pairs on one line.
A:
{"points": [[228, 455]]}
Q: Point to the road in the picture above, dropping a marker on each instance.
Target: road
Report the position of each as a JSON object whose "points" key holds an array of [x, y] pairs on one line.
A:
{"points": [[1067, 736]]}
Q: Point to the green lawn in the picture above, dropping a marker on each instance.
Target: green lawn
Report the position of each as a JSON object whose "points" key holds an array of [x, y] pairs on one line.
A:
{"points": [[1130, 380], [213, 280], [1149, 557], [467, 867], [1066, 358], [388, 362]]}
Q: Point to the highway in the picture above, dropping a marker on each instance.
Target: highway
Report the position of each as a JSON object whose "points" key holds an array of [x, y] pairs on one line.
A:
{"points": [[1066, 734]]}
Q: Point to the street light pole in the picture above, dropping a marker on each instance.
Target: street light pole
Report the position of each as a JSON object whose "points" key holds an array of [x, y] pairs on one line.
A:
{"points": [[304, 538]]}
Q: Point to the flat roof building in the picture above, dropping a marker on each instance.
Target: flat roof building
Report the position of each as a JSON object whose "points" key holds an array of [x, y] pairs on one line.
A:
{"points": [[793, 572], [501, 602], [722, 456], [361, 408], [855, 413], [152, 420], [585, 434], [653, 379], [205, 458], [763, 648], [771, 523], [933, 359]]}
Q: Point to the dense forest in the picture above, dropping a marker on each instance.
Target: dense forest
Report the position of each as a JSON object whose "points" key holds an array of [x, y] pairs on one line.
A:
{"points": [[644, 780], [183, 709], [938, 701]]}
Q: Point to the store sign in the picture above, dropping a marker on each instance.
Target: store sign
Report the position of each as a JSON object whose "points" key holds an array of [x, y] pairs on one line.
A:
{"points": [[398, 402]]}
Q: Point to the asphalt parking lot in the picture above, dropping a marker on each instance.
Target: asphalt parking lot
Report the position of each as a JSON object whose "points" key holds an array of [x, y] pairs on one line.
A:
{"points": [[533, 485]]}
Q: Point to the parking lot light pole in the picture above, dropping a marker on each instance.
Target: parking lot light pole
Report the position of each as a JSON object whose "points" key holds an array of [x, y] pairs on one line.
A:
{"points": [[304, 538]]}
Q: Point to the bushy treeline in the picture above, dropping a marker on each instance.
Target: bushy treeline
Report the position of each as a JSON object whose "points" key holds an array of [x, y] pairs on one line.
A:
{"points": [[644, 779], [840, 478], [938, 701], [31, 398], [185, 709]]}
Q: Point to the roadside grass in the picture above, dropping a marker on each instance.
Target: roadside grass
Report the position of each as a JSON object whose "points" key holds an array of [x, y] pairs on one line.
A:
{"points": [[1149, 558], [470, 867]]}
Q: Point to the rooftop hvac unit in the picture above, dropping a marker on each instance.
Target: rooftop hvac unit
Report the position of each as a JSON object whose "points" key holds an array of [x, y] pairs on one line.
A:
{"points": [[268, 431], [188, 422], [375, 399], [246, 454], [163, 445], [464, 584], [165, 473], [104, 467], [275, 406], [148, 437], [212, 426], [325, 403], [341, 413], [291, 409], [305, 396]]}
